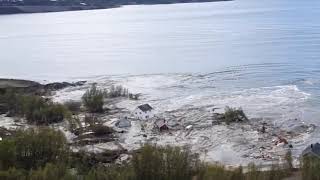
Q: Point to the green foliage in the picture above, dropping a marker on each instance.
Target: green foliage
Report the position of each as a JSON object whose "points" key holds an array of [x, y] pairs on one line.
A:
{"points": [[114, 172], [7, 154], [33, 148], [10, 100], [91, 119], [275, 173], [234, 115], [93, 99], [134, 96], [289, 159], [42, 154], [164, 163], [120, 91], [13, 174], [310, 168], [116, 91], [36, 109], [213, 172], [74, 123], [253, 173], [73, 106], [36, 147], [219, 172], [52, 171], [100, 130]]}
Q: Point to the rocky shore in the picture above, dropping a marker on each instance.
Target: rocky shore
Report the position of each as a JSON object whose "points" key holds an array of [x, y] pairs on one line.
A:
{"points": [[18, 9], [35, 87]]}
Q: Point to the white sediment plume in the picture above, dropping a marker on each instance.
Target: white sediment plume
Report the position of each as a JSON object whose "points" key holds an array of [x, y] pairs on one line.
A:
{"points": [[187, 100]]}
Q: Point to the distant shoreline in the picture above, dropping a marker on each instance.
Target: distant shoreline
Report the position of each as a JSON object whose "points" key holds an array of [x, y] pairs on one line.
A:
{"points": [[44, 9], [26, 9]]}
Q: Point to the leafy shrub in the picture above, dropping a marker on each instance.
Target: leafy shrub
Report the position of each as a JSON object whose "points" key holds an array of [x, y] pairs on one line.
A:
{"points": [[93, 99], [216, 171], [73, 106], [167, 163], [310, 168], [74, 123], [36, 147], [116, 91], [13, 174], [134, 96], [100, 130], [38, 112], [7, 154], [111, 173], [289, 159], [234, 115], [36, 109], [150, 162], [10, 102], [91, 119], [52, 171], [32, 148]]}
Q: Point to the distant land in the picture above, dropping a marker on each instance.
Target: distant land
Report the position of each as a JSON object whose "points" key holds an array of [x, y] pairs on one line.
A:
{"points": [[40, 6]]}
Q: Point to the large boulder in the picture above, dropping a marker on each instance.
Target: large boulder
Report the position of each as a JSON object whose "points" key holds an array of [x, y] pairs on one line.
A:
{"points": [[57, 86], [33, 87], [61, 85]]}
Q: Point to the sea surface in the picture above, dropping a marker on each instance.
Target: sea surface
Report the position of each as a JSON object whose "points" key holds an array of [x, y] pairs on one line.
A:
{"points": [[261, 55]]}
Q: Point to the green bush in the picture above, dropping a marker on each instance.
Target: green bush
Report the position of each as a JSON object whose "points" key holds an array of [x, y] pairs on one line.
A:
{"points": [[234, 115], [100, 130], [91, 119], [7, 154], [116, 91], [310, 168], [10, 101], [213, 172], [166, 163], [52, 171], [93, 100], [33, 148], [13, 174], [47, 113], [36, 109], [114, 172], [73, 106], [43, 158], [74, 123]]}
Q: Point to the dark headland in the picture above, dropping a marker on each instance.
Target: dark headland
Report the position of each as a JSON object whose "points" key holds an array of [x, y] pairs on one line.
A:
{"points": [[40, 6]]}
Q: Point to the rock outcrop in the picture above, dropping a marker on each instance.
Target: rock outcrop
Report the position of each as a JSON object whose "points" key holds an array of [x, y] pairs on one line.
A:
{"points": [[27, 86]]}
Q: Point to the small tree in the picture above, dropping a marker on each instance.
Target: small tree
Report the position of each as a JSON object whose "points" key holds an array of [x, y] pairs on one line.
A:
{"points": [[73, 106], [310, 168], [117, 91], [100, 130], [36, 147], [168, 163], [234, 115], [288, 158], [93, 99]]}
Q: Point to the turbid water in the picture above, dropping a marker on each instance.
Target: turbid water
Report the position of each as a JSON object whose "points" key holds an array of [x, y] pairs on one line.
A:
{"points": [[262, 55]]}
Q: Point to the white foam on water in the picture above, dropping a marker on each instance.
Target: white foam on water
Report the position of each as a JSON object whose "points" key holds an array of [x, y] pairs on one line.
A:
{"points": [[181, 93]]}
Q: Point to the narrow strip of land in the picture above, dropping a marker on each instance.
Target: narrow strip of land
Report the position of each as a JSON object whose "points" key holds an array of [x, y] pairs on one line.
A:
{"points": [[34, 6]]}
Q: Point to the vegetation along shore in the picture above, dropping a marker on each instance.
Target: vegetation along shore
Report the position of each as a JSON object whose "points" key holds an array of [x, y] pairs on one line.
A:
{"points": [[40, 6]]}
